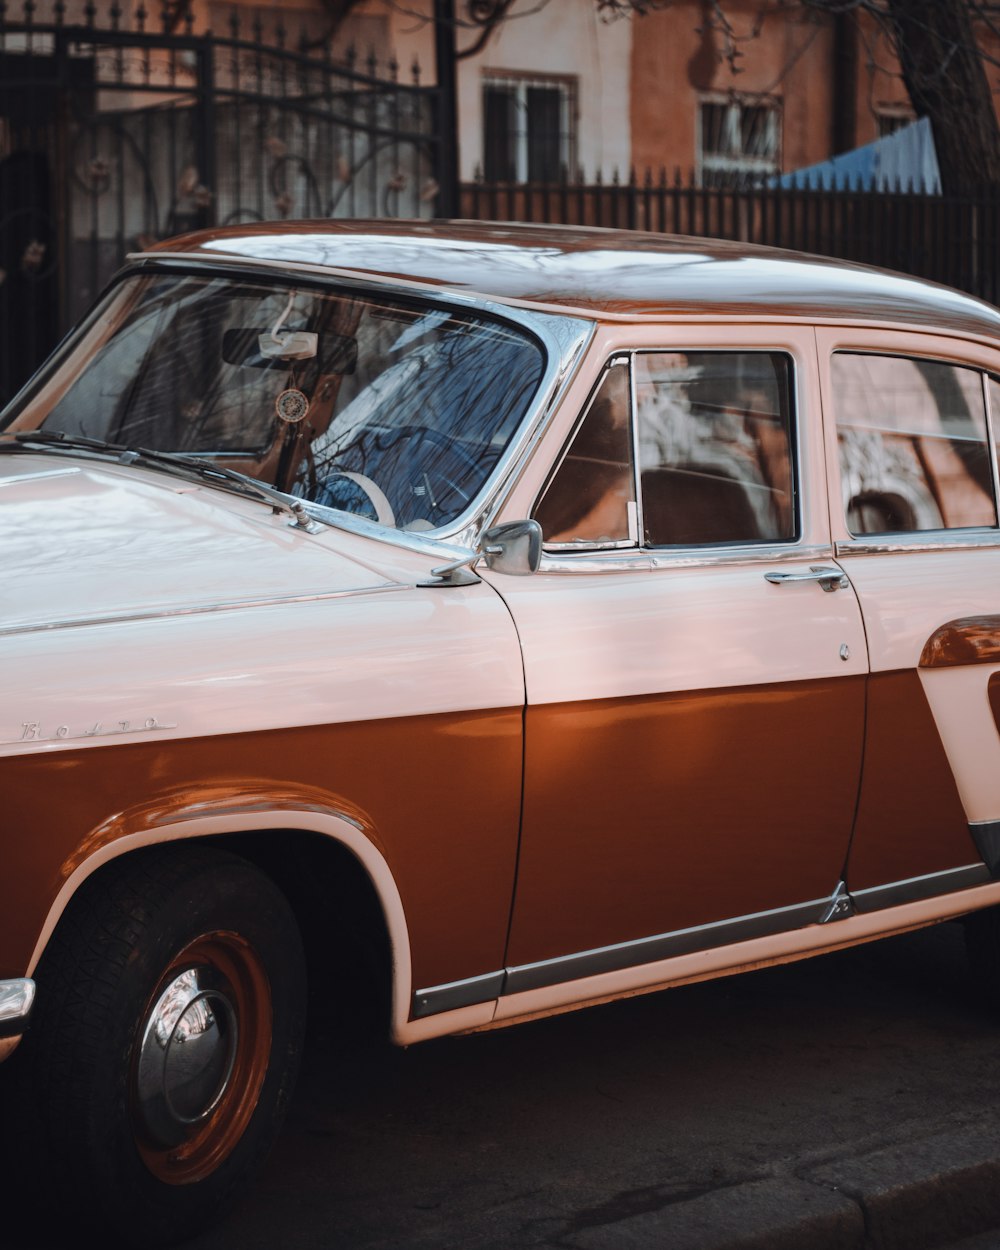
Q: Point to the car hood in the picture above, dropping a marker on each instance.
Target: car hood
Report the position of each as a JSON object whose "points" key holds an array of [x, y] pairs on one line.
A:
{"points": [[88, 541]]}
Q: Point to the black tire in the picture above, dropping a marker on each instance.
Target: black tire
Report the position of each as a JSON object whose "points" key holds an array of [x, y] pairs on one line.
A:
{"points": [[157, 1169]]}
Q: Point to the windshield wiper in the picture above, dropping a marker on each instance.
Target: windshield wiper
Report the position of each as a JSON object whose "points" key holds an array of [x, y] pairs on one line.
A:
{"points": [[171, 462]]}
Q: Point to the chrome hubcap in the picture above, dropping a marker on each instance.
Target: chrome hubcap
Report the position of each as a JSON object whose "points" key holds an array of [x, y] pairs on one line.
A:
{"points": [[186, 1055]]}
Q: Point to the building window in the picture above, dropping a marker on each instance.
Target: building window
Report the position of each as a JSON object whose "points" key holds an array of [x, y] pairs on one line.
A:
{"points": [[739, 140], [529, 128], [891, 120]]}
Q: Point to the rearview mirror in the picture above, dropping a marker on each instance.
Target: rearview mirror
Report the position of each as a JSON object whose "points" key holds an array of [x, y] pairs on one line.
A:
{"points": [[251, 348]]}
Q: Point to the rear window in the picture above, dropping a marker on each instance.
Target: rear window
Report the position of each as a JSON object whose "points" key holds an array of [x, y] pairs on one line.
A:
{"points": [[912, 442]]}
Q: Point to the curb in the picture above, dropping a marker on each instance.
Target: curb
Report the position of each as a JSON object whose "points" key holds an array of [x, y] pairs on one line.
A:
{"points": [[924, 1194]]}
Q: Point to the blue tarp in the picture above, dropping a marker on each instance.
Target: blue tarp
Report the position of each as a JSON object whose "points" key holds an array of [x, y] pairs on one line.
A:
{"points": [[903, 159]]}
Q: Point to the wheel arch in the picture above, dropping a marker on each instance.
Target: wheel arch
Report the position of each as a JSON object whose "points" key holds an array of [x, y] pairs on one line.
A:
{"points": [[343, 865]]}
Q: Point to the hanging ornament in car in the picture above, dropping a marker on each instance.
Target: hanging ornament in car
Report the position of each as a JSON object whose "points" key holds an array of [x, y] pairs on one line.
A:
{"points": [[292, 406]]}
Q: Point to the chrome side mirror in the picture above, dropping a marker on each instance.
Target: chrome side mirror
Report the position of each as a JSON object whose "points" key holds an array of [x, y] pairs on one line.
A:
{"points": [[514, 547]]}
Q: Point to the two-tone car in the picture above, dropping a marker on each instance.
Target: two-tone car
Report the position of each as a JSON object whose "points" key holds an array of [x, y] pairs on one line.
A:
{"points": [[473, 622]]}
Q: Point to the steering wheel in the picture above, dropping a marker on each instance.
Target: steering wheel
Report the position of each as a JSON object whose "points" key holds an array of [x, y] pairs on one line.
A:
{"points": [[387, 437], [345, 489]]}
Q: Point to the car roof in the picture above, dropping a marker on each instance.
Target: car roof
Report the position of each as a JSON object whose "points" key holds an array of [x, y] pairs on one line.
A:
{"points": [[599, 272]]}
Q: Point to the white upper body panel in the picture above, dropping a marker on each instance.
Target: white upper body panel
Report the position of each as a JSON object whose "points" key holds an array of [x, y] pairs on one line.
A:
{"points": [[147, 605]]}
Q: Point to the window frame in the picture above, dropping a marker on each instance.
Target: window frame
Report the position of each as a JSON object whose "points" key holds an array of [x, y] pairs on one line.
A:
{"points": [[636, 549], [632, 543], [884, 539], [737, 170], [518, 83], [914, 343]]}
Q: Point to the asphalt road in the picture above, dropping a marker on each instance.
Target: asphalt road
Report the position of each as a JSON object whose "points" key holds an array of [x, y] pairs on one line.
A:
{"points": [[558, 1133]]}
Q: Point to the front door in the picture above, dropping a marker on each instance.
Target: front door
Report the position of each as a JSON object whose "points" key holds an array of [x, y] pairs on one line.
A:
{"points": [[695, 667]]}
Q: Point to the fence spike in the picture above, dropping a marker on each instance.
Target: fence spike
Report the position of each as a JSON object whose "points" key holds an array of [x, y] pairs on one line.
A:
{"points": [[258, 27], [140, 17], [89, 13], [58, 12], [372, 63], [234, 22], [415, 72], [115, 13], [393, 68]]}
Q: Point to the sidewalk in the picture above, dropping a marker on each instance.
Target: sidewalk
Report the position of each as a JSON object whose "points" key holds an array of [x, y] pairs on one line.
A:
{"points": [[924, 1194]]}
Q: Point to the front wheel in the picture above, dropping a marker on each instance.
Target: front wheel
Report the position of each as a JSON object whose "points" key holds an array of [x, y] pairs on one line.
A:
{"points": [[166, 1040]]}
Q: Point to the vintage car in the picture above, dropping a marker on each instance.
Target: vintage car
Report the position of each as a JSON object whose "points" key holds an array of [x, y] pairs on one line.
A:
{"points": [[470, 623]]}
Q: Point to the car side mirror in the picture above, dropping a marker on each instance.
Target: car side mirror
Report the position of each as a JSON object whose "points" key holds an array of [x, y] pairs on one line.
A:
{"points": [[513, 547]]}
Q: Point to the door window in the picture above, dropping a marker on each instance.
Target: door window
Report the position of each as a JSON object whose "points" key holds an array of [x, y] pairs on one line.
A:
{"points": [[713, 435], [715, 447], [912, 442]]}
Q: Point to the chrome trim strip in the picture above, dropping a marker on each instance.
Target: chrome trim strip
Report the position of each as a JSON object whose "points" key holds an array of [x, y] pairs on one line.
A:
{"points": [[455, 994], [691, 557], [34, 477], [957, 540], [986, 835], [563, 339], [226, 605], [664, 945], [991, 442], [16, 998], [624, 955], [912, 889]]}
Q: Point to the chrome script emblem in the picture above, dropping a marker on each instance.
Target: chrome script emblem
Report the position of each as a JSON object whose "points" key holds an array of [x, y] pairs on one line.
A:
{"points": [[35, 731]]}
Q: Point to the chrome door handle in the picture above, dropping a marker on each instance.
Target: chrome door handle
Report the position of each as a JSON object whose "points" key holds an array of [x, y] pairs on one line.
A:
{"points": [[829, 579]]}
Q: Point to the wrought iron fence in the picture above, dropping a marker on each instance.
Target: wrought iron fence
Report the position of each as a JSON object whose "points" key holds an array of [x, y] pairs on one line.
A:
{"points": [[949, 239], [119, 129]]}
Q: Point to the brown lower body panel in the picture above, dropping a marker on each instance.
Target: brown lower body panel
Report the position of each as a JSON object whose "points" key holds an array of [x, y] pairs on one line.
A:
{"points": [[910, 821], [653, 814], [446, 824]]}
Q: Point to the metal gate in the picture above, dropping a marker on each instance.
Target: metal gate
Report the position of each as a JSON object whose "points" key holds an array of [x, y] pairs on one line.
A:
{"points": [[113, 135]]}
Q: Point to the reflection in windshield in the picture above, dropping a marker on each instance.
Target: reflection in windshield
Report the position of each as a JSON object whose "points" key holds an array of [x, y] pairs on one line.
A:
{"points": [[396, 411]]}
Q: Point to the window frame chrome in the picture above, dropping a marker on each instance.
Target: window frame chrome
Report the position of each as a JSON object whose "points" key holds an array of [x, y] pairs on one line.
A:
{"points": [[991, 438], [964, 538], [615, 360], [563, 340], [622, 557]]}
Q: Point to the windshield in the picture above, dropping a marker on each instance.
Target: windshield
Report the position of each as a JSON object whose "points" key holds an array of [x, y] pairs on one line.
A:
{"points": [[393, 410]]}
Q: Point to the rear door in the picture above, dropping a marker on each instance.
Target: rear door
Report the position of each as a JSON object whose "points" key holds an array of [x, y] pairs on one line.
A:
{"points": [[913, 499]]}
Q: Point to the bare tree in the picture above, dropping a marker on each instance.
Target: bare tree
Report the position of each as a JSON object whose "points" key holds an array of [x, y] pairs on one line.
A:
{"points": [[942, 63], [941, 48]]}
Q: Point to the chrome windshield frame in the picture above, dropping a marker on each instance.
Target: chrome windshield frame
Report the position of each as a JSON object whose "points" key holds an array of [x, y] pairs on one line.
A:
{"points": [[562, 341], [562, 338]]}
